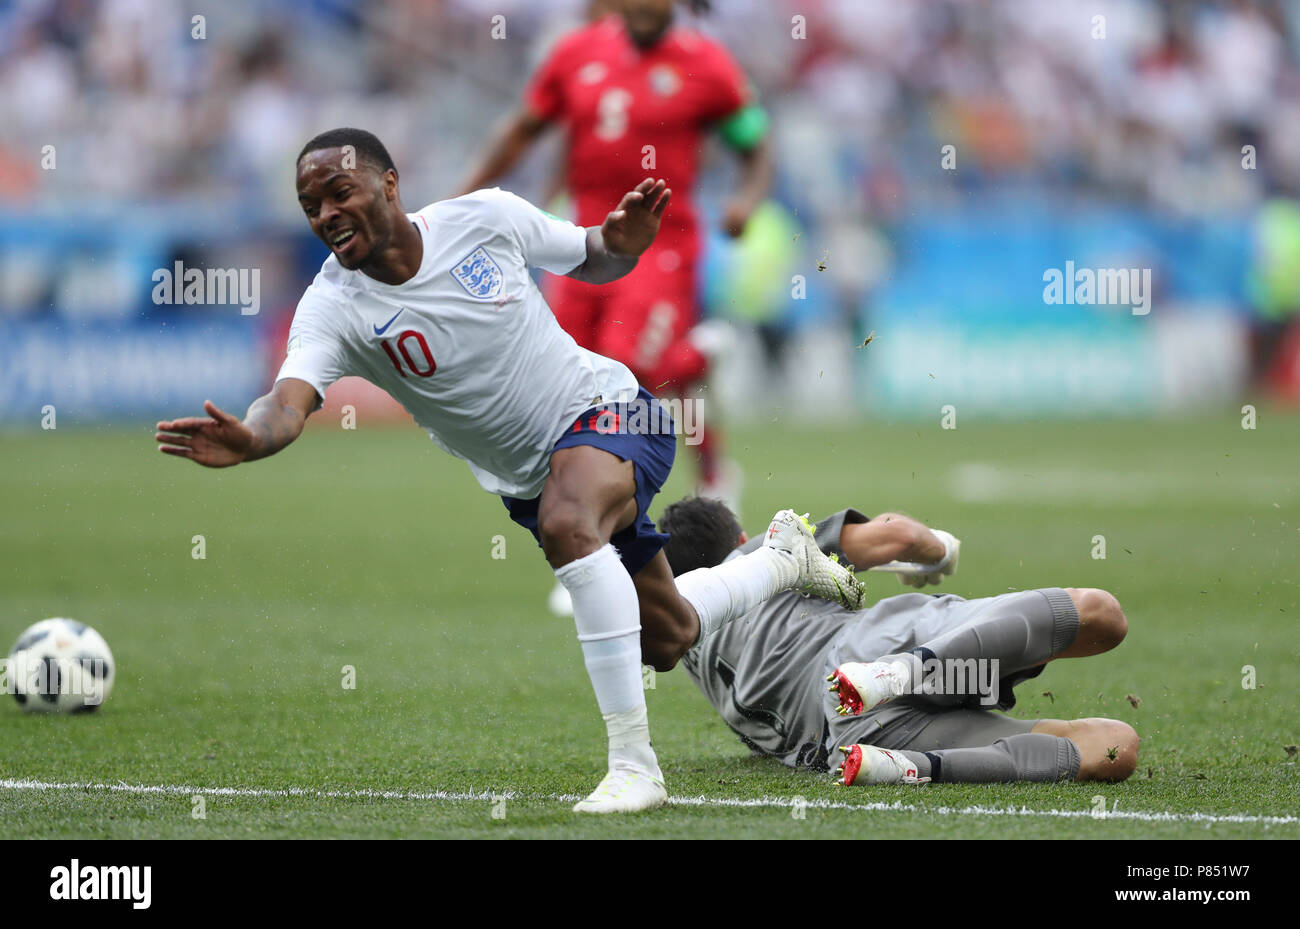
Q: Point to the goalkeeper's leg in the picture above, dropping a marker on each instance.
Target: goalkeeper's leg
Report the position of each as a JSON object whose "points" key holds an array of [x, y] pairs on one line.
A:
{"points": [[1019, 631], [954, 748]]}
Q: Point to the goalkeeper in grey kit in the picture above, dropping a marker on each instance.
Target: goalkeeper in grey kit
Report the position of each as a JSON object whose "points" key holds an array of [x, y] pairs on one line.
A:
{"points": [[890, 713]]}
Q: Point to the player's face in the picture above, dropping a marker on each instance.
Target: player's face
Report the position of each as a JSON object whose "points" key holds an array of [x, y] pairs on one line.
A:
{"points": [[347, 208], [647, 20]]}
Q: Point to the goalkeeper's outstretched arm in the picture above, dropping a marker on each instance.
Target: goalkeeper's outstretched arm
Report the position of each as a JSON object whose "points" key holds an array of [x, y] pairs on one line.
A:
{"points": [[890, 537]]}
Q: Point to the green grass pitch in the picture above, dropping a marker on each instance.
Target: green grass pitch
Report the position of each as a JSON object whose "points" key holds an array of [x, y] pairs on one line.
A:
{"points": [[371, 549]]}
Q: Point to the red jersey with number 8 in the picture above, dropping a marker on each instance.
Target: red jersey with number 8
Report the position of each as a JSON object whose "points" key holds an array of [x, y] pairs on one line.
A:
{"points": [[633, 113]]}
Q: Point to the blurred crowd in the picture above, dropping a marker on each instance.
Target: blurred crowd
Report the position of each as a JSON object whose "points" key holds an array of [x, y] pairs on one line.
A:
{"points": [[880, 110], [1144, 100], [182, 120]]}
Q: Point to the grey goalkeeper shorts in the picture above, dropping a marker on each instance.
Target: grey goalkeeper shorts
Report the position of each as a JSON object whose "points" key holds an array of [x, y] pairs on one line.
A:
{"points": [[917, 722]]}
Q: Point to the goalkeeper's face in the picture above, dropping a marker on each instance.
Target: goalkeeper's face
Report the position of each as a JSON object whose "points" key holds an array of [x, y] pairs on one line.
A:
{"points": [[349, 204]]}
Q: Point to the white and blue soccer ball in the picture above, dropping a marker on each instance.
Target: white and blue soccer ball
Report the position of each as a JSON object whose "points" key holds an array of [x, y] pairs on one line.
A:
{"points": [[59, 666]]}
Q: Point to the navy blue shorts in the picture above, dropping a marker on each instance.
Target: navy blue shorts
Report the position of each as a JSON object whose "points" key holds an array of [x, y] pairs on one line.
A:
{"points": [[641, 432]]}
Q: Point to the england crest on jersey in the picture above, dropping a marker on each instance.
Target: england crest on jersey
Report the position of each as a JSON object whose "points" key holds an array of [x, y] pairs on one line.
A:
{"points": [[479, 274]]}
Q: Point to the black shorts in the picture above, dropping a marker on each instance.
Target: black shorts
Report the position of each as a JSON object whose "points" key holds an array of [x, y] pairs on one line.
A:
{"points": [[641, 432]]}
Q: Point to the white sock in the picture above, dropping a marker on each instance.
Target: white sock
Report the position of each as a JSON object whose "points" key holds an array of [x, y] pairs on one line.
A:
{"points": [[733, 588], [607, 615]]}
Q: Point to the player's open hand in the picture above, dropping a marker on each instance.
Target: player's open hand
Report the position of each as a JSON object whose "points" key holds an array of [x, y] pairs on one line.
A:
{"points": [[218, 440], [631, 228]]}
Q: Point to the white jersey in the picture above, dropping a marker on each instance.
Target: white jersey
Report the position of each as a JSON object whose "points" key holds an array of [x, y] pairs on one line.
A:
{"points": [[467, 345]]}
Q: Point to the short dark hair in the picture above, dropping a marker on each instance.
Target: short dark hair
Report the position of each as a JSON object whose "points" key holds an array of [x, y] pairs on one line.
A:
{"points": [[365, 144], [702, 533]]}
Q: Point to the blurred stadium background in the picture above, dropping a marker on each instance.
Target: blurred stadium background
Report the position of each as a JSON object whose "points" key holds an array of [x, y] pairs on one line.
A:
{"points": [[1123, 151]]}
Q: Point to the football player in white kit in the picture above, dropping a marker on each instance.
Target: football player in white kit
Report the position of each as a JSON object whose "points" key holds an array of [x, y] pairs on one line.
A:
{"points": [[437, 308]]}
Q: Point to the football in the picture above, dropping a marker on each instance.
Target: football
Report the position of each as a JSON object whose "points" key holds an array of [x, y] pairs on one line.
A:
{"points": [[59, 666]]}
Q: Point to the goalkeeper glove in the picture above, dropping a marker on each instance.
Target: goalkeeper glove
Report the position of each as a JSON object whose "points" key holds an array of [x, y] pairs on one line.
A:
{"points": [[942, 568]]}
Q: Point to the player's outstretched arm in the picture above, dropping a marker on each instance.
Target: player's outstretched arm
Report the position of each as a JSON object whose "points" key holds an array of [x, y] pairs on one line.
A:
{"points": [[895, 543], [890, 537], [220, 440], [614, 247], [755, 182]]}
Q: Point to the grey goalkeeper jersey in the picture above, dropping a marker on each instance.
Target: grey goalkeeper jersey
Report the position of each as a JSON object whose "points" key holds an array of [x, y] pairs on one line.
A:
{"points": [[763, 672]]}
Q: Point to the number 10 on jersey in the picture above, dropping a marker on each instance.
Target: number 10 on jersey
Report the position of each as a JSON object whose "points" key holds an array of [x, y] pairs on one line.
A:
{"points": [[424, 368]]}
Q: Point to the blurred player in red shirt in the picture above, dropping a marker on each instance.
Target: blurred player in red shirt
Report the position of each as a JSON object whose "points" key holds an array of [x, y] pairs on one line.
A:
{"points": [[634, 93]]}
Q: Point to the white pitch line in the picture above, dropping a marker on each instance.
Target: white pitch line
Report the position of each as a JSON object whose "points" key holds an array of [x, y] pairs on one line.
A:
{"points": [[701, 801]]}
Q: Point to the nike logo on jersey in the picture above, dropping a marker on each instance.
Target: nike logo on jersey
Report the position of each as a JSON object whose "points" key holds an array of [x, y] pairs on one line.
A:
{"points": [[380, 330]]}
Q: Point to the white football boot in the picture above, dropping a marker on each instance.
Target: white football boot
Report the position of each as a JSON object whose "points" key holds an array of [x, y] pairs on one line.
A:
{"points": [[627, 788], [870, 765], [864, 686], [819, 574]]}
